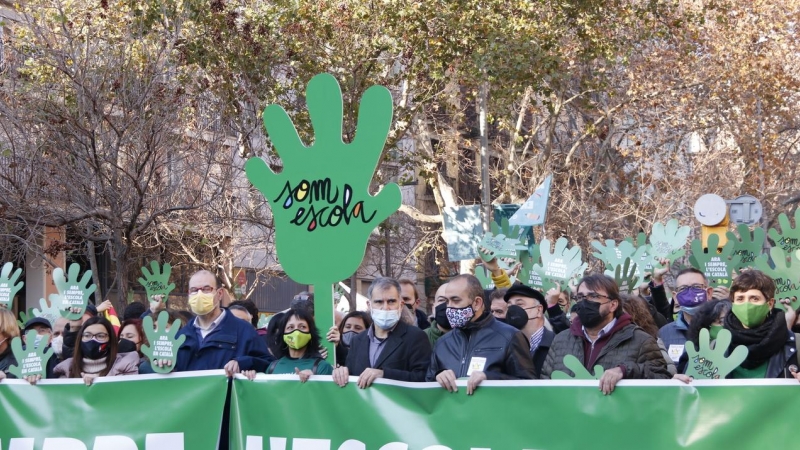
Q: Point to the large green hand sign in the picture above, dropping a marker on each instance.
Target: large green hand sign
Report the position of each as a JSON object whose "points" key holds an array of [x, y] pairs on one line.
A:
{"points": [[668, 241], [163, 345], [716, 266], [501, 247], [789, 237], [746, 246], [563, 263], [706, 363], [72, 293], [531, 272], [156, 282], [321, 204], [33, 359], [577, 368], [626, 275], [785, 273], [8, 284]]}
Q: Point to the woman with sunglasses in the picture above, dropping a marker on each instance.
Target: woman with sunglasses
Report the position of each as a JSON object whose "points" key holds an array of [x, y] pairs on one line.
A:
{"points": [[96, 355]]}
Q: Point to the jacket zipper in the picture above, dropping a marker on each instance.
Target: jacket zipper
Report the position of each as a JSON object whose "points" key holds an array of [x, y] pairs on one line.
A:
{"points": [[464, 355]]}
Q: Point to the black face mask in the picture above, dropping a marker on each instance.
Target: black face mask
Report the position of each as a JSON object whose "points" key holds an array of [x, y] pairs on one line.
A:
{"points": [[441, 316], [516, 317], [94, 350], [410, 306], [126, 346], [589, 313]]}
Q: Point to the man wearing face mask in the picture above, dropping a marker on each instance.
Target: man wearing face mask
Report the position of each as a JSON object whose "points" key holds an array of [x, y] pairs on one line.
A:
{"points": [[216, 339], [604, 335], [691, 292], [480, 347], [539, 337], [440, 324], [390, 348], [408, 291]]}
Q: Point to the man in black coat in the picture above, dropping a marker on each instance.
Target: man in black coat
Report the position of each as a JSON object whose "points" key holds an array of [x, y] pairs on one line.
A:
{"points": [[389, 348], [539, 338]]}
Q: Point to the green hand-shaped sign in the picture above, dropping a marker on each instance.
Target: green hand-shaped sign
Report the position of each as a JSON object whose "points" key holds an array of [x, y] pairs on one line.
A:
{"points": [[48, 311], [563, 263], [163, 345], [484, 276], [712, 364], [263, 321], [785, 273], [500, 247], [746, 247], [789, 237], [581, 373], [156, 282], [668, 241], [8, 284], [626, 276], [72, 293], [531, 272], [716, 266], [33, 359]]}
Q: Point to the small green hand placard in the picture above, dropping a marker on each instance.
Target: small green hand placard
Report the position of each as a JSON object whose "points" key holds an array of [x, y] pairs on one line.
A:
{"points": [[563, 263], [48, 311], [747, 246], [789, 237], [33, 359], [626, 275], [706, 363], [581, 373], [156, 281], [501, 247], [668, 241], [163, 345], [531, 272], [72, 293], [9, 285], [785, 273], [716, 266], [485, 277], [321, 201]]}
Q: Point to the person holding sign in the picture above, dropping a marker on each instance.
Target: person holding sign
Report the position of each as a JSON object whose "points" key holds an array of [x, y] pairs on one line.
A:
{"points": [[691, 292], [96, 354], [43, 330], [8, 331], [605, 336]]}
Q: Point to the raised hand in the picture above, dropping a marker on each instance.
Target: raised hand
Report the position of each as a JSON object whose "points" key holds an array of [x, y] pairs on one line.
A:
{"points": [[156, 282], [162, 350], [716, 266], [626, 276], [9, 285], [785, 273], [668, 241], [572, 363], [73, 294], [706, 363], [789, 237], [31, 362], [747, 246]]}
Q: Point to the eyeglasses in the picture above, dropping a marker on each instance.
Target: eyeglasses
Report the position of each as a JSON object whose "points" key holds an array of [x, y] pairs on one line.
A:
{"points": [[593, 296], [302, 297], [99, 337], [204, 289], [689, 286]]}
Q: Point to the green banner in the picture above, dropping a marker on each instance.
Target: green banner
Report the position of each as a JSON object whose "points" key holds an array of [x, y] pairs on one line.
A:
{"points": [[284, 414], [147, 412]]}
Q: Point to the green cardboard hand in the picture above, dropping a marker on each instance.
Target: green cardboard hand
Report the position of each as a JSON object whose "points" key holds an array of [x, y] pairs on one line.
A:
{"points": [[577, 368], [747, 246], [156, 282], [608, 252], [563, 263], [33, 359], [72, 293], [48, 311], [789, 237], [626, 275], [500, 247], [668, 241], [163, 345], [8, 284], [263, 321], [531, 272], [716, 266], [24, 316], [484, 276], [706, 363], [787, 279]]}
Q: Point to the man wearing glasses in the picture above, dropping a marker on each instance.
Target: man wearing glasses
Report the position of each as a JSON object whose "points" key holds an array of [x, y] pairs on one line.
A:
{"points": [[691, 291], [216, 339], [604, 335]]}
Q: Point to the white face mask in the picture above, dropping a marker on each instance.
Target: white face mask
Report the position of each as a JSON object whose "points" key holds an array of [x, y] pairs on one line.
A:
{"points": [[385, 319], [57, 344]]}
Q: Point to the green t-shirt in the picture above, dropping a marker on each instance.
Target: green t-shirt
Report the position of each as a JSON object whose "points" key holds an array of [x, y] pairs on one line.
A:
{"points": [[758, 372], [286, 365]]}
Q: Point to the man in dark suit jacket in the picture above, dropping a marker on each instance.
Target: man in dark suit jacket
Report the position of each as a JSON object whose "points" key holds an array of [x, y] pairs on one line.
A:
{"points": [[389, 348]]}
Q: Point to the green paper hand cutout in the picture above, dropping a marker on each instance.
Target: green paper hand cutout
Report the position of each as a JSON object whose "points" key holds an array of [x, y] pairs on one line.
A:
{"points": [[49, 312], [500, 247], [163, 345], [484, 276], [563, 263], [712, 364], [515, 232], [72, 293], [320, 201], [669, 241], [8, 284], [577, 368], [156, 282], [789, 237], [747, 246], [531, 272], [263, 321], [785, 273], [716, 266], [24, 316], [626, 275], [33, 359]]}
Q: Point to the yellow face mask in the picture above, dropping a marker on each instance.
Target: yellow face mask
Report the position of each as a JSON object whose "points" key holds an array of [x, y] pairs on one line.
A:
{"points": [[201, 303], [297, 339]]}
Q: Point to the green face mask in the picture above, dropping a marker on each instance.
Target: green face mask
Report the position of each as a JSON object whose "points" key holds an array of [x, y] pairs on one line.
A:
{"points": [[714, 330], [749, 314], [296, 339]]}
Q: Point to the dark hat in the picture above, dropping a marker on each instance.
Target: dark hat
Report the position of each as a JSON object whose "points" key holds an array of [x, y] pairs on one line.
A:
{"points": [[91, 309], [37, 321], [525, 291]]}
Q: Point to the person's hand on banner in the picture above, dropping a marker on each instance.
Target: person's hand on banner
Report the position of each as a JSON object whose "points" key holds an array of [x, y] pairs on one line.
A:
{"points": [[447, 380], [368, 376], [341, 375], [684, 378], [477, 377], [231, 368], [249, 374], [610, 379], [792, 370], [303, 374], [88, 378]]}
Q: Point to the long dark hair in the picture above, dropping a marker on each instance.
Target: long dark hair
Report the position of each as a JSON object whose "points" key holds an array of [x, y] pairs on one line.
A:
{"points": [[76, 367], [705, 315], [137, 324], [636, 306], [312, 349]]}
